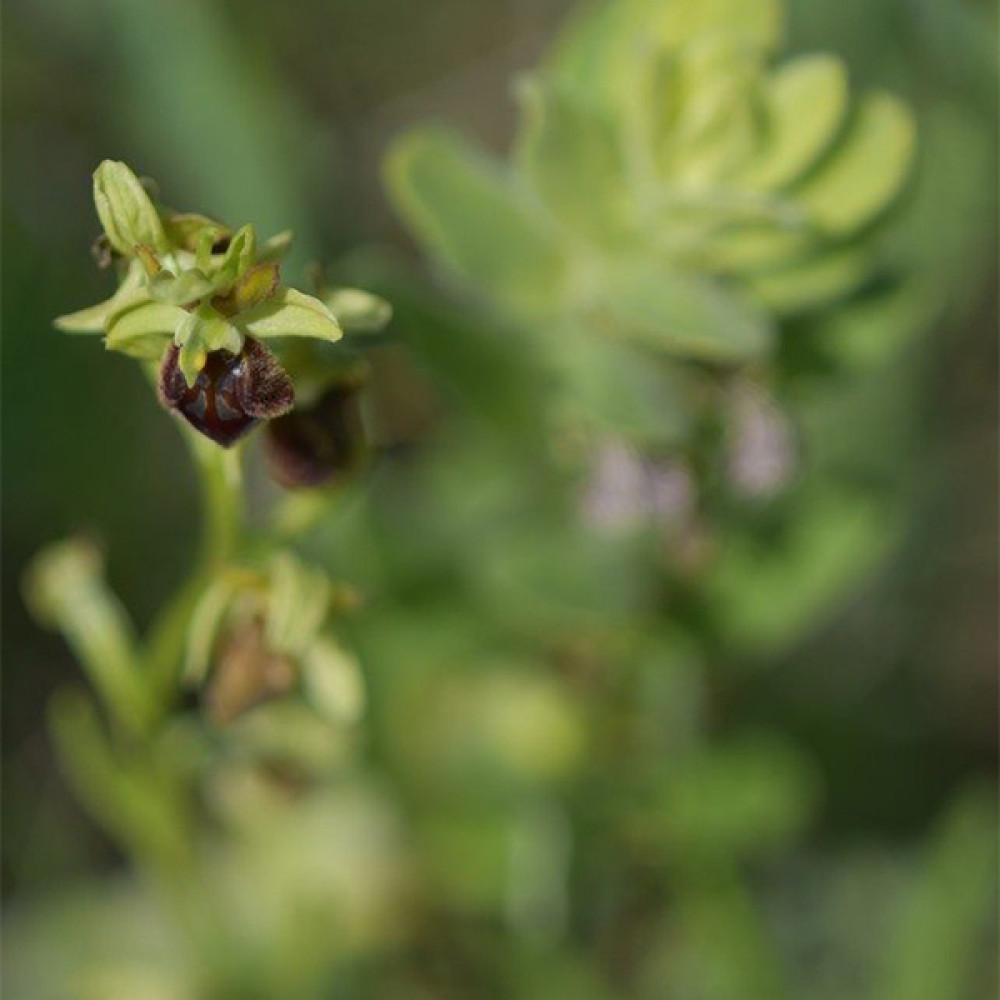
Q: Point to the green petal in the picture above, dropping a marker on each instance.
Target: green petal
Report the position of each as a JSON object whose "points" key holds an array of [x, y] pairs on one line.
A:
{"points": [[238, 258], [187, 229], [256, 286], [125, 210], [358, 311], [142, 330], [290, 313], [180, 289]]}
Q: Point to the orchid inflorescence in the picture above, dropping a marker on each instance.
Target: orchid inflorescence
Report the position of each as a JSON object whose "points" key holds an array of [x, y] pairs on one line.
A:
{"points": [[199, 299]]}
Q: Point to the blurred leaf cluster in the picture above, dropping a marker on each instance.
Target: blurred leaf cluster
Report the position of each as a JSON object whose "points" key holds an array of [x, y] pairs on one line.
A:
{"points": [[574, 739]]}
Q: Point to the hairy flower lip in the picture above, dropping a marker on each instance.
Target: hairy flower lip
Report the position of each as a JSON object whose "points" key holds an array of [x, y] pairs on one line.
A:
{"points": [[232, 393]]}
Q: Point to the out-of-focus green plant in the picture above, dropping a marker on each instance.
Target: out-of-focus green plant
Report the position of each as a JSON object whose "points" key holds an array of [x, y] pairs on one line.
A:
{"points": [[670, 197], [516, 771]]}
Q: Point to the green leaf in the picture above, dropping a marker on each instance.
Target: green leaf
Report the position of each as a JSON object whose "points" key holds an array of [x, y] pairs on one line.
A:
{"points": [[684, 316], [617, 390], [124, 794], [66, 590], [142, 329], [571, 157], [125, 210], [596, 51], [716, 122], [806, 101], [750, 794], [94, 319], [767, 595], [358, 311], [752, 23], [817, 281], [866, 171], [289, 313], [473, 218], [947, 928]]}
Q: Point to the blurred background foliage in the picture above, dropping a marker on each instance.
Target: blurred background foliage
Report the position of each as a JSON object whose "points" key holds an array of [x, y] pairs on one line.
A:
{"points": [[684, 701]]}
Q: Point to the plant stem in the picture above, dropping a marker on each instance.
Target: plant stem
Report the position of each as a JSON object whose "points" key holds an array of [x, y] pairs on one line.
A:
{"points": [[220, 478]]}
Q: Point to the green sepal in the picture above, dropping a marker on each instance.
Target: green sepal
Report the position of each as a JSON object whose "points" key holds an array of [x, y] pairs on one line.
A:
{"points": [[358, 311], [125, 210], [142, 329], [290, 313], [94, 319]]}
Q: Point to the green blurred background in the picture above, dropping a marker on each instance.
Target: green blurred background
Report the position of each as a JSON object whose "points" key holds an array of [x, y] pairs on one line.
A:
{"points": [[280, 114]]}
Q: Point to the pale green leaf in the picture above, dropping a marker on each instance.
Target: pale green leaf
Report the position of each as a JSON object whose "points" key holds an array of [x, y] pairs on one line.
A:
{"points": [[767, 596], [866, 171], [752, 23], [684, 316], [125, 210], [615, 389], [571, 157], [947, 931], [716, 121], [472, 217], [806, 101], [289, 313], [816, 281], [599, 46]]}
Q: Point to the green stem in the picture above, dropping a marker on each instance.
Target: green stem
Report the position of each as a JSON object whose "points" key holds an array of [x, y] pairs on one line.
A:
{"points": [[223, 527], [221, 476]]}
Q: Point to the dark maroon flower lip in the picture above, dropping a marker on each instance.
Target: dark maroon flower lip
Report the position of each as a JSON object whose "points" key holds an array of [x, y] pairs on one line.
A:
{"points": [[319, 444], [232, 393]]}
